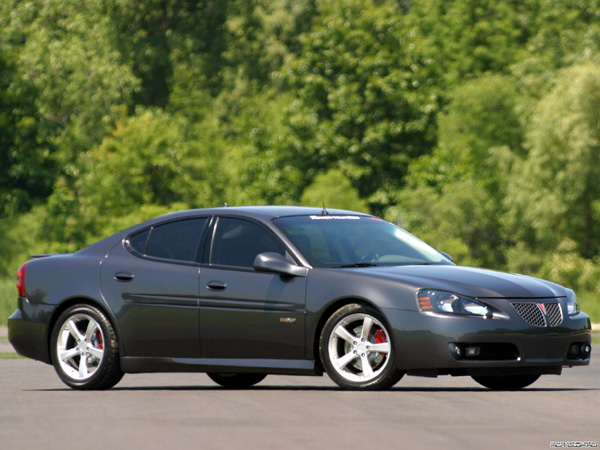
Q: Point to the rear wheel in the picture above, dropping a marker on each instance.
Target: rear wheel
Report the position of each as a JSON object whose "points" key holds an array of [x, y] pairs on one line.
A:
{"points": [[236, 380], [506, 382], [356, 349], [84, 349]]}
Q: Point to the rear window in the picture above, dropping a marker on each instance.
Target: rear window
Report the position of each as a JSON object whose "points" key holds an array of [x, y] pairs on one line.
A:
{"points": [[176, 241]]}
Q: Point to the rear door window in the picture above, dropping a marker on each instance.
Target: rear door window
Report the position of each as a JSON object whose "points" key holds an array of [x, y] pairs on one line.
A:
{"points": [[176, 241]]}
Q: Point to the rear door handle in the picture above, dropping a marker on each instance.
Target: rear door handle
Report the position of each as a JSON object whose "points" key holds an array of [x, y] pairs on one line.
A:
{"points": [[215, 285], [124, 276]]}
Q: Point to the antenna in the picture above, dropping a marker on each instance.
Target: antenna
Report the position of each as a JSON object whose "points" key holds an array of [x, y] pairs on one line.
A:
{"points": [[324, 212]]}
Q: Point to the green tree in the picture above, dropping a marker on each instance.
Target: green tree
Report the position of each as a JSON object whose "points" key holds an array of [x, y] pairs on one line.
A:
{"points": [[153, 161], [363, 101], [554, 191], [480, 119], [260, 34], [461, 221], [68, 68], [26, 168], [468, 38], [333, 190], [170, 44], [466, 175]]}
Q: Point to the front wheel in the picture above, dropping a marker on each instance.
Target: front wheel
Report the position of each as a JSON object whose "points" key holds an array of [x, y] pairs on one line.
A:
{"points": [[84, 349], [506, 382], [356, 349], [236, 380]]}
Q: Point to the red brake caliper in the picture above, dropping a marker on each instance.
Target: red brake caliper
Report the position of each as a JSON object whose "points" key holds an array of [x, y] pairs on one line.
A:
{"points": [[99, 339], [380, 338]]}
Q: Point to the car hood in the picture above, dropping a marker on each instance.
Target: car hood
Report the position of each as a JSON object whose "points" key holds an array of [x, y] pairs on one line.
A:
{"points": [[478, 283]]}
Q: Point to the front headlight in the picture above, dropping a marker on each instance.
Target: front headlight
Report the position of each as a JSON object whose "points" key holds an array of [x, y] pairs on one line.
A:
{"points": [[572, 305], [449, 303]]}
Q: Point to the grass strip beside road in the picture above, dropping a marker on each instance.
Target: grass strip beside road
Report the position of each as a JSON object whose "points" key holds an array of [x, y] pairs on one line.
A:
{"points": [[7, 355]]}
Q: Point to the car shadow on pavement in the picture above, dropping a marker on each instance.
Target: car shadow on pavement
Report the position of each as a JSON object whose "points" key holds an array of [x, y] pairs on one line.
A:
{"points": [[321, 389]]}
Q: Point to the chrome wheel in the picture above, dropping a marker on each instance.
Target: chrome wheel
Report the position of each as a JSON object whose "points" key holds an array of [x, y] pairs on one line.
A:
{"points": [[356, 349], [84, 349], [359, 347], [80, 346]]}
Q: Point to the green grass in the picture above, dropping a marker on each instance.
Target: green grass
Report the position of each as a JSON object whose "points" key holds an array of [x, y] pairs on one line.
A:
{"points": [[10, 356], [8, 298]]}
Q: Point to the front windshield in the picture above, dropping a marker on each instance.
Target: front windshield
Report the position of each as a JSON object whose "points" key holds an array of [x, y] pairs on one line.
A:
{"points": [[354, 241]]}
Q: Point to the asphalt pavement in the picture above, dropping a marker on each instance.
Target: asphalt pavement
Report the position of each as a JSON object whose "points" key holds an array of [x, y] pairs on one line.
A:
{"points": [[188, 411]]}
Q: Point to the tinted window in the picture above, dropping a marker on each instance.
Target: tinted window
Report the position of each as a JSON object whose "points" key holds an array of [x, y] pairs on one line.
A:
{"points": [[178, 241], [139, 241], [237, 242]]}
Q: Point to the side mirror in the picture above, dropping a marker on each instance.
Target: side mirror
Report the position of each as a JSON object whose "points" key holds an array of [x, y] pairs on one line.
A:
{"points": [[276, 263], [446, 255]]}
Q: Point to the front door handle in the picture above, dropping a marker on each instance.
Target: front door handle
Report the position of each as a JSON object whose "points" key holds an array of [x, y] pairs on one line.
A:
{"points": [[215, 285], [124, 276]]}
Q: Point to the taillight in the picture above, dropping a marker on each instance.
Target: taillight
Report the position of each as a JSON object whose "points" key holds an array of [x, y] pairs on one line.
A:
{"points": [[21, 281]]}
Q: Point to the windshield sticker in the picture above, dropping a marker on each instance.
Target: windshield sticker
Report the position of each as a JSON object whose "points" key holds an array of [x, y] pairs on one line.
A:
{"points": [[334, 218]]}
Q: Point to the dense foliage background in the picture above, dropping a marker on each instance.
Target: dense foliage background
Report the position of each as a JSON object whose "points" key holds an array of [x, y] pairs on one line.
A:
{"points": [[475, 124]]}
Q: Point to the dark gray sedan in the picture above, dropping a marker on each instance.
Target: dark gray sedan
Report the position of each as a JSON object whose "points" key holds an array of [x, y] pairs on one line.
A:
{"points": [[240, 293]]}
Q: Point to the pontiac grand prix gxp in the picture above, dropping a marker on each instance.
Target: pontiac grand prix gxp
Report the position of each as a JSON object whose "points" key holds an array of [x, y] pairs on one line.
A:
{"points": [[240, 293]]}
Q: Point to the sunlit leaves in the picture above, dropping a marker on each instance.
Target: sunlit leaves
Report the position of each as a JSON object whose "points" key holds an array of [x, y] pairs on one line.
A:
{"points": [[556, 186], [364, 98]]}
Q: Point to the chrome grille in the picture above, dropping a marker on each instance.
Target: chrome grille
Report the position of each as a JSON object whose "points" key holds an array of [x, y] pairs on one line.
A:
{"points": [[553, 314], [550, 315], [531, 313]]}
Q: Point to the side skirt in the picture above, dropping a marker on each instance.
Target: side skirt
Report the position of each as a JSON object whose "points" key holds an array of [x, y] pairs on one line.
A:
{"points": [[271, 366]]}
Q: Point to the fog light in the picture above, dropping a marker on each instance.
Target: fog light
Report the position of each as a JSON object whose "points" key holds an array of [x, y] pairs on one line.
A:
{"points": [[579, 350], [456, 351], [586, 349], [574, 349], [472, 351]]}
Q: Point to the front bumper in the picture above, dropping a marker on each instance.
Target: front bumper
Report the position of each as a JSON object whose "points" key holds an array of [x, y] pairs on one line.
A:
{"points": [[426, 343]]}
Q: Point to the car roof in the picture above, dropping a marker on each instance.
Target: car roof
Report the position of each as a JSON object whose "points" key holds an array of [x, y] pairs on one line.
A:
{"points": [[258, 212]]}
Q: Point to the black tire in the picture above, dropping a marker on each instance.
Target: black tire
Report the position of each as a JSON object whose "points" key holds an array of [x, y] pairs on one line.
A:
{"points": [[356, 349], [84, 349], [236, 380], [506, 382]]}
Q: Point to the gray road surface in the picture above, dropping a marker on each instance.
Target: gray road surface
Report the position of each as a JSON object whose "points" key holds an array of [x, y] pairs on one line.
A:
{"points": [[187, 411]]}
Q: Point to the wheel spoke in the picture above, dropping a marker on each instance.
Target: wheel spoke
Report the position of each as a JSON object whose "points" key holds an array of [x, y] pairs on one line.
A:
{"points": [[340, 331], [384, 347], [68, 354], [366, 367], [97, 352], [366, 328], [345, 360], [91, 328], [83, 367], [72, 327]]}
